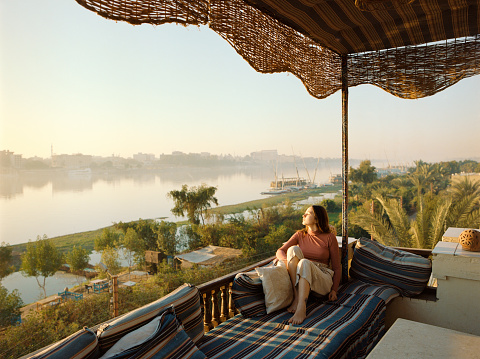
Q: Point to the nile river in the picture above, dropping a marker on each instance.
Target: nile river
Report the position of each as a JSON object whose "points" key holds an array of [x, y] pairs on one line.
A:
{"points": [[43, 203]]}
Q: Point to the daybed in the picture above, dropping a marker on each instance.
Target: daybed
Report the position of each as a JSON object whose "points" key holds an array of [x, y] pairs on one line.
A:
{"points": [[173, 327]]}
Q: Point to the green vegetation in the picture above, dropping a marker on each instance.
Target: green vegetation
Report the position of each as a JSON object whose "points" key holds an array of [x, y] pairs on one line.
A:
{"points": [[193, 203], [10, 304], [415, 209], [77, 259], [42, 259], [5, 259], [65, 243]]}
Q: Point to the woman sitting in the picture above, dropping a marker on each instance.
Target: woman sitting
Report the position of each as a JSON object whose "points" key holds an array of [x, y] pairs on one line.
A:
{"points": [[307, 255]]}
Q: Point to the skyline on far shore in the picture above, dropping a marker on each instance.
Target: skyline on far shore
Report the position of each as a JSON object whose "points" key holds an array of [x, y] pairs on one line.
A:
{"points": [[84, 84]]}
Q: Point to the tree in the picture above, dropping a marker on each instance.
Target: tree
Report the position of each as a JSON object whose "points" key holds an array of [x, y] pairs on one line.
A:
{"points": [[167, 237], [42, 259], [365, 173], [193, 203], [5, 258], [111, 260], [423, 178], [10, 304], [108, 238], [145, 229], [77, 259], [393, 227], [133, 247], [465, 210]]}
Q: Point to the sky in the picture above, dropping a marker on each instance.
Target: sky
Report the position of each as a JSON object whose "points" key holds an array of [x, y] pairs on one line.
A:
{"points": [[83, 84]]}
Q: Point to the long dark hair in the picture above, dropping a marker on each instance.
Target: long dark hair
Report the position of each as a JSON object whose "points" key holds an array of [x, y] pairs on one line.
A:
{"points": [[321, 217]]}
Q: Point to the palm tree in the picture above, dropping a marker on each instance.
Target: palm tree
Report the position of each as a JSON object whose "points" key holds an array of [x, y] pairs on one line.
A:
{"points": [[424, 176], [465, 211], [393, 227]]}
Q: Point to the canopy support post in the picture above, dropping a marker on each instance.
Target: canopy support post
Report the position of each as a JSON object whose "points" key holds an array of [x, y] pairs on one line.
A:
{"points": [[344, 76]]}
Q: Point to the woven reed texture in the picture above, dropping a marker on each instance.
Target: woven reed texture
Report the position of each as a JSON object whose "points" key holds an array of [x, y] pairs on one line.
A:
{"points": [[417, 71], [376, 5], [136, 12], [269, 46]]}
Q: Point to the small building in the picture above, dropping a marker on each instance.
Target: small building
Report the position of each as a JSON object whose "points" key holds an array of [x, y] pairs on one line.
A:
{"points": [[460, 177], [208, 256]]}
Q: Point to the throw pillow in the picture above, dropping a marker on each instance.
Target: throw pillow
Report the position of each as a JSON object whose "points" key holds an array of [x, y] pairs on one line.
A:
{"points": [[247, 295], [277, 287], [188, 306], [162, 337], [80, 345], [375, 263]]}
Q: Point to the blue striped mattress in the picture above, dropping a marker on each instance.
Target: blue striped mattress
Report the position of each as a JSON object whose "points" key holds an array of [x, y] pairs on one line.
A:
{"points": [[347, 328]]}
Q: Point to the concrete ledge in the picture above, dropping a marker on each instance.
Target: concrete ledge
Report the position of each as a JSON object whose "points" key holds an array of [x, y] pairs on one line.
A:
{"points": [[412, 340]]}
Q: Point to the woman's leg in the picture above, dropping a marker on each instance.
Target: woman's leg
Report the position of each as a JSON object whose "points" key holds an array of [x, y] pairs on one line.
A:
{"points": [[292, 271], [301, 309], [294, 255]]}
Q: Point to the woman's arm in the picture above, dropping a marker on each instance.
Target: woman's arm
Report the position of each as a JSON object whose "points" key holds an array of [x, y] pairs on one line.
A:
{"points": [[282, 251]]}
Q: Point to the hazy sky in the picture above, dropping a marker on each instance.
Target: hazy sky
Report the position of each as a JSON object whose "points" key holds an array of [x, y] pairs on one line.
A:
{"points": [[84, 84]]}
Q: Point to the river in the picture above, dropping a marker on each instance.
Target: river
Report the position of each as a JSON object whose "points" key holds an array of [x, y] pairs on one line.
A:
{"points": [[55, 204]]}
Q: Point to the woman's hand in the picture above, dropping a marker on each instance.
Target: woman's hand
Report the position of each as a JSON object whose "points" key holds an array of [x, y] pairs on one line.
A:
{"points": [[332, 296]]}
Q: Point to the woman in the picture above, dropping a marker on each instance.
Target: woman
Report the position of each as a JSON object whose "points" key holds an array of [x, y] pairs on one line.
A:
{"points": [[306, 255]]}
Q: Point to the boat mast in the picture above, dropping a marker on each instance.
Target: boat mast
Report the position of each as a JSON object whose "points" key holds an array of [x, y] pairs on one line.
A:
{"points": [[306, 169], [295, 163], [315, 173]]}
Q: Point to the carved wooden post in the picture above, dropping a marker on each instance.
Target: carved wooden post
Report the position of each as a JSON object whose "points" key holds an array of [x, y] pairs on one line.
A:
{"points": [[215, 314], [207, 314], [231, 305], [224, 300]]}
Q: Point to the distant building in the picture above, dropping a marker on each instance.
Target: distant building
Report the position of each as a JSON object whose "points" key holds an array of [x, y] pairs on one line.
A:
{"points": [[392, 170], [208, 256], [10, 159], [71, 161], [144, 157], [474, 177], [264, 155], [336, 179]]}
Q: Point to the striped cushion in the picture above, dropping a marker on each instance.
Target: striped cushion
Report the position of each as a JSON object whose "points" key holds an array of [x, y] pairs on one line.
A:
{"points": [[384, 292], [377, 264], [247, 295], [188, 307], [80, 345], [163, 337]]}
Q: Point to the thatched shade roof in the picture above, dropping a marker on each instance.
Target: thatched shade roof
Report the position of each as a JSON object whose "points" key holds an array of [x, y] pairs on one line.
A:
{"points": [[411, 49]]}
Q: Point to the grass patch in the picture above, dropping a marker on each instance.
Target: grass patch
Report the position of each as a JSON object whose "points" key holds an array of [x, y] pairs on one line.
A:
{"points": [[65, 243], [273, 200]]}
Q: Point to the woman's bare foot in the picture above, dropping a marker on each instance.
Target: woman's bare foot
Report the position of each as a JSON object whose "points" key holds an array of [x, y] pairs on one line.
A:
{"points": [[293, 306], [300, 314]]}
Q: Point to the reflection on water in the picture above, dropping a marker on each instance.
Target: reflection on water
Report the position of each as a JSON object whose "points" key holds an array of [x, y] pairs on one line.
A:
{"points": [[30, 291]]}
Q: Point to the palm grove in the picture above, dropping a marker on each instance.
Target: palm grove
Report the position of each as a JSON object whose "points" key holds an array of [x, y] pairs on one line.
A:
{"points": [[410, 210]]}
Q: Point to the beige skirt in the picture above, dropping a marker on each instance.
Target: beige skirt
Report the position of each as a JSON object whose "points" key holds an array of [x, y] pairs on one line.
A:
{"points": [[318, 275]]}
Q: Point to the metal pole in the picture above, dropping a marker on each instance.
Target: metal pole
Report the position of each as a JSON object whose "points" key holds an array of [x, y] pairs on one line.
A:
{"points": [[344, 169], [115, 295]]}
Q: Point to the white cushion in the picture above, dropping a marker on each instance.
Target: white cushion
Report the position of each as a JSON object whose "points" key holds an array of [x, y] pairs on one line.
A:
{"points": [[277, 287]]}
